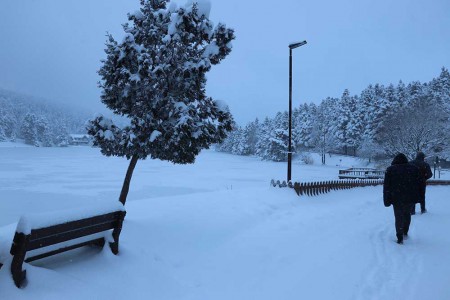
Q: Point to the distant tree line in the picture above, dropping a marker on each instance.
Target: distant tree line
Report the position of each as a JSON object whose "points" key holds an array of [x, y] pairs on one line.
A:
{"points": [[36, 121], [381, 121]]}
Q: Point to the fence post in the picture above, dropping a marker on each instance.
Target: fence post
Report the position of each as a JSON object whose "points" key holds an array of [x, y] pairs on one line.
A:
{"points": [[297, 188], [308, 189]]}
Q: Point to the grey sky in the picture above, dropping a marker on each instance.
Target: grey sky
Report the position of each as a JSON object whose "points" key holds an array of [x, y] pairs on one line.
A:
{"points": [[52, 48]]}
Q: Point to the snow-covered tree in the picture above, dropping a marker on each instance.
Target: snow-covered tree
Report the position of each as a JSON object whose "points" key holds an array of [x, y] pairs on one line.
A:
{"points": [[303, 123], [61, 136], [7, 122], [378, 110], [367, 102], [367, 124], [355, 124], [414, 128], [156, 77], [370, 149], [43, 132], [439, 90], [392, 97], [263, 138], [28, 130], [251, 137], [322, 133], [277, 147], [401, 94], [2, 135], [50, 119], [238, 142], [343, 119], [227, 144]]}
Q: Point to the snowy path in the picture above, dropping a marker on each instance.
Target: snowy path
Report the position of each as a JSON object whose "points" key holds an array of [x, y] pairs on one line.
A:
{"points": [[340, 250], [216, 230]]}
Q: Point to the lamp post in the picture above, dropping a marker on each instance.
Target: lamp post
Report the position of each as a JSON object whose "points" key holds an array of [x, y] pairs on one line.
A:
{"points": [[291, 46]]}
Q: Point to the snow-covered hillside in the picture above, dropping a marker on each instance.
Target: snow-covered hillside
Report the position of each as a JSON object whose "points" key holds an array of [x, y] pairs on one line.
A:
{"points": [[38, 121], [217, 230]]}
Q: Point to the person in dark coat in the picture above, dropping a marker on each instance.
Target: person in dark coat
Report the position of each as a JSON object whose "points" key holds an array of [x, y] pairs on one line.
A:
{"points": [[401, 189], [425, 174]]}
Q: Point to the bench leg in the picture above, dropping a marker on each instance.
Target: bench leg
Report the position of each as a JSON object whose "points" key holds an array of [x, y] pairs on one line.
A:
{"points": [[19, 250], [18, 274], [115, 245], [115, 234]]}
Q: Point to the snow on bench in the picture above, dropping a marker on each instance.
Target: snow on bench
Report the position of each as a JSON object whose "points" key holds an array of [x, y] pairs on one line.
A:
{"points": [[51, 232]]}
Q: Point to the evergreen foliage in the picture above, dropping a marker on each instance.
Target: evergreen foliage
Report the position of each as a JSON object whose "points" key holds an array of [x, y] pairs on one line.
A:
{"points": [[277, 147], [263, 138], [28, 130], [156, 78], [380, 121]]}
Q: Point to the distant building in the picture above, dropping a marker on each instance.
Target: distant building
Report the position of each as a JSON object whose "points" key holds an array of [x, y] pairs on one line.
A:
{"points": [[79, 139]]}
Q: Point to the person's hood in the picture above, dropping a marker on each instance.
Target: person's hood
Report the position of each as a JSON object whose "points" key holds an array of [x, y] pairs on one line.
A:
{"points": [[399, 159], [420, 156]]}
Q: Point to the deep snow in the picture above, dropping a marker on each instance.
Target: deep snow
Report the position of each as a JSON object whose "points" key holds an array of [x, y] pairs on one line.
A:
{"points": [[217, 230]]}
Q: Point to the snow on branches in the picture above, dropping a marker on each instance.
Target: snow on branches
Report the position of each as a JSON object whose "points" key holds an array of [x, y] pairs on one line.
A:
{"points": [[156, 78]]}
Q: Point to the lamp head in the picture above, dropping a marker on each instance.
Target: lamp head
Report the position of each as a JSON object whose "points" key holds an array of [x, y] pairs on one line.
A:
{"points": [[296, 45]]}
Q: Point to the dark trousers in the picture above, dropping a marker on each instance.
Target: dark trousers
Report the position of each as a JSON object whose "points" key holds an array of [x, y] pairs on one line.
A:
{"points": [[402, 213], [422, 201], [422, 206]]}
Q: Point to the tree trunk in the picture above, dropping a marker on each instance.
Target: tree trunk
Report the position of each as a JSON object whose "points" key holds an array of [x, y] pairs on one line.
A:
{"points": [[126, 182]]}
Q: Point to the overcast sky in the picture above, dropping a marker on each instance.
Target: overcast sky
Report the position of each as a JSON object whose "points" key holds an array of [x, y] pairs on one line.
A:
{"points": [[52, 48]]}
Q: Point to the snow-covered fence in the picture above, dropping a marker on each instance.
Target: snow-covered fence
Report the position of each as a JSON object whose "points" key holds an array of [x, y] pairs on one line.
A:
{"points": [[316, 188], [322, 187], [438, 182]]}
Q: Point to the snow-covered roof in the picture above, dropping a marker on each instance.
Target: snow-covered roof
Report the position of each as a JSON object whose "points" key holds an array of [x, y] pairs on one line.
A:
{"points": [[78, 135]]}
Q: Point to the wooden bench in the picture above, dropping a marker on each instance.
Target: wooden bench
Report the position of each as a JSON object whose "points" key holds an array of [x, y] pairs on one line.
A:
{"points": [[361, 173], [30, 236]]}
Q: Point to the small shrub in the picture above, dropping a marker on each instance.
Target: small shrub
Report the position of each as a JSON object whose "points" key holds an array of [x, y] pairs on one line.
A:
{"points": [[307, 159]]}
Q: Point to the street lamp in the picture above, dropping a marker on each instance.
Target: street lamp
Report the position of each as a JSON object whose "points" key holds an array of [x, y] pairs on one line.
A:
{"points": [[291, 46]]}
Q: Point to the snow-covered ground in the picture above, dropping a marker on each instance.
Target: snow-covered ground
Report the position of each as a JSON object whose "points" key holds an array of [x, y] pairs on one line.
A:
{"points": [[217, 230]]}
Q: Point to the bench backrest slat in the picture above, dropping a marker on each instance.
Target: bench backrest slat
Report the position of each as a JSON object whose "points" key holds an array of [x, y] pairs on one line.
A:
{"points": [[69, 235], [60, 228]]}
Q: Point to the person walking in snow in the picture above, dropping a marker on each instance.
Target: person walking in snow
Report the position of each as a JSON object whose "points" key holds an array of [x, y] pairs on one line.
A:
{"points": [[425, 174], [401, 189]]}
